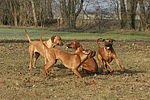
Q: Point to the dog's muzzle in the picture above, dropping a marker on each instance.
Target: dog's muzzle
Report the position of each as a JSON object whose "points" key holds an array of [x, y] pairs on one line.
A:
{"points": [[108, 45], [68, 45]]}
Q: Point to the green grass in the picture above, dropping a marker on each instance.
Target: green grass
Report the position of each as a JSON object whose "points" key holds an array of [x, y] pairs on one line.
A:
{"points": [[17, 82], [13, 33]]}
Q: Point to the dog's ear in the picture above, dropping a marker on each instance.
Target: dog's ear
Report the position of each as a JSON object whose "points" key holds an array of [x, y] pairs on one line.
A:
{"points": [[114, 40], [52, 38], [93, 53], [77, 45]]}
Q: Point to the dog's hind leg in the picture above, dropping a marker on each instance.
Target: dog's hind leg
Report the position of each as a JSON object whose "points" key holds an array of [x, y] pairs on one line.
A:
{"points": [[35, 58], [47, 66], [31, 56]]}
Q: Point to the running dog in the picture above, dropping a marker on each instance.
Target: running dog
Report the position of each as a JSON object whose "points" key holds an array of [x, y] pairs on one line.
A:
{"points": [[107, 54]]}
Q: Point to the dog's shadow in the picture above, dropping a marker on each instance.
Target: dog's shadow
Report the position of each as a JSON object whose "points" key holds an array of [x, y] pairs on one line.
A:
{"points": [[128, 71], [99, 72], [60, 66], [119, 72]]}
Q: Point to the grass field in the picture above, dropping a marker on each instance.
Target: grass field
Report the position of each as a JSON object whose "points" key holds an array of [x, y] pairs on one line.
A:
{"points": [[17, 82]]}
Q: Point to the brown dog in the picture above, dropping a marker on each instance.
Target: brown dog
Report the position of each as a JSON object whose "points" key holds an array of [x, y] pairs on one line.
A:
{"points": [[36, 47], [89, 64], [107, 54], [71, 61]]}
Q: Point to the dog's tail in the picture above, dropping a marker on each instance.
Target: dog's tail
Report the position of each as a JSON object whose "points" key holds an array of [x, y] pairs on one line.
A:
{"points": [[28, 36], [42, 40], [97, 42]]}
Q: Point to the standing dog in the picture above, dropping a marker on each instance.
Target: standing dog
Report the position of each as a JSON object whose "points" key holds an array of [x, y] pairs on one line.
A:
{"points": [[89, 64], [71, 61], [107, 54], [37, 48]]}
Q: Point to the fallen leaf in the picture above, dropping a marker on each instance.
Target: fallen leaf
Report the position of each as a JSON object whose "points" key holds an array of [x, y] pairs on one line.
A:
{"points": [[92, 82]]}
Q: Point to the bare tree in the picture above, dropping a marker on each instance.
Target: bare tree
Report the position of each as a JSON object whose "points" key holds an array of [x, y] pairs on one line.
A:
{"points": [[123, 14], [12, 7], [50, 14], [131, 11], [142, 15], [70, 9], [21, 12], [34, 13]]}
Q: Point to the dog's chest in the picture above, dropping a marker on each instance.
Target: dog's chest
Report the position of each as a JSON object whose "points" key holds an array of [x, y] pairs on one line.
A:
{"points": [[108, 57]]}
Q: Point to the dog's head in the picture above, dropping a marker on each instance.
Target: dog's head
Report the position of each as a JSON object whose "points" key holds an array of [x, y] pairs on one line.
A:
{"points": [[74, 44], [56, 40], [108, 42]]}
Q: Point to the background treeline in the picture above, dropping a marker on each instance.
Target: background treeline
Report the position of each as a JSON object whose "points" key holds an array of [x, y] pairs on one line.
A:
{"points": [[25, 12], [67, 12]]}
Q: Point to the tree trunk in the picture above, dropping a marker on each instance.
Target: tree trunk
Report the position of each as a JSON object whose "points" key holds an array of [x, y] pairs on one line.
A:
{"points": [[69, 8], [142, 15], [129, 20], [14, 12], [21, 12], [69, 17], [60, 19], [65, 13], [72, 17], [148, 16], [25, 14], [50, 9], [12, 8], [15, 17], [74, 14], [40, 15], [131, 11], [123, 14], [117, 10], [34, 13]]}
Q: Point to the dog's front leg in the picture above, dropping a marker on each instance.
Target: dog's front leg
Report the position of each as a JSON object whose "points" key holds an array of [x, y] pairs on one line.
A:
{"points": [[117, 62], [30, 64], [77, 73], [111, 70]]}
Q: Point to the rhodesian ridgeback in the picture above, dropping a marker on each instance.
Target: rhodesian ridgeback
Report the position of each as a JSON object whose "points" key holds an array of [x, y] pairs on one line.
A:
{"points": [[71, 61], [107, 54], [90, 64], [36, 47]]}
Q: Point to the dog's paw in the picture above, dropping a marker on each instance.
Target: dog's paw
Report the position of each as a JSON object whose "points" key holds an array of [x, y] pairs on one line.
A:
{"points": [[105, 71]]}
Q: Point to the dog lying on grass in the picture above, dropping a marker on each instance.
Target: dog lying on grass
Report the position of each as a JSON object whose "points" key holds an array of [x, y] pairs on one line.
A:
{"points": [[89, 65]]}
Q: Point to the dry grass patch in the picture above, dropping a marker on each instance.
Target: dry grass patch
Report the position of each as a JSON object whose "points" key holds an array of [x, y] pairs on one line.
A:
{"points": [[17, 82]]}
